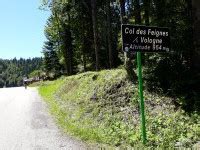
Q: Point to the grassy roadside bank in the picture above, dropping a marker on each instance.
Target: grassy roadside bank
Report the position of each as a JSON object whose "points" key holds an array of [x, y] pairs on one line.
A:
{"points": [[103, 107]]}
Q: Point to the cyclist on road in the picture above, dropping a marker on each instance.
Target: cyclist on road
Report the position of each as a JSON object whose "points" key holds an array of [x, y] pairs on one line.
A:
{"points": [[25, 82]]}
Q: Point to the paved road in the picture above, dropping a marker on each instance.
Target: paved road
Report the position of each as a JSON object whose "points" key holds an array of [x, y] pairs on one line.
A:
{"points": [[25, 123]]}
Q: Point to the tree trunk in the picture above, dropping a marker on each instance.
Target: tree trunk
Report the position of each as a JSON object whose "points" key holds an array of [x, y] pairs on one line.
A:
{"points": [[84, 51], [67, 49], [109, 34], [122, 12], [146, 11], [138, 19], [70, 54], [94, 20], [82, 34], [127, 55], [196, 34], [160, 14], [147, 23], [84, 62]]}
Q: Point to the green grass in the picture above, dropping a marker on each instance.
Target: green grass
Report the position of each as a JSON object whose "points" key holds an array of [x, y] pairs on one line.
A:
{"points": [[102, 107]]}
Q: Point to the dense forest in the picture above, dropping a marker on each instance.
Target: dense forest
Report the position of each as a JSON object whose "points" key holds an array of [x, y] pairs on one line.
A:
{"points": [[86, 35], [13, 71]]}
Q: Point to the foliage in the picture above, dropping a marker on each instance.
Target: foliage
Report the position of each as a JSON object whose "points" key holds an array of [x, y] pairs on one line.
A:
{"points": [[36, 73], [86, 36], [13, 71], [51, 61], [70, 27], [174, 73], [103, 107]]}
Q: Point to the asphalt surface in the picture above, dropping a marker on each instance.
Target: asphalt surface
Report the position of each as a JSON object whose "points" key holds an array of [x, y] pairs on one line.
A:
{"points": [[25, 123]]}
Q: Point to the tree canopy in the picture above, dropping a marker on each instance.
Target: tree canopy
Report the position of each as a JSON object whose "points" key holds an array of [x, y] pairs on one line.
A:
{"points": [[86, 35], [13, 71]]}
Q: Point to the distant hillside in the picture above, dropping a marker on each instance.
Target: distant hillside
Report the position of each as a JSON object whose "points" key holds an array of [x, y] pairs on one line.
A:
{"points": [[12, 71]]}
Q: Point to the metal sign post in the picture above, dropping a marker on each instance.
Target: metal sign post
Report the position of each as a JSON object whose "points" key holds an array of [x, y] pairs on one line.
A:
{"points": [[144, 39], [142, 112]]}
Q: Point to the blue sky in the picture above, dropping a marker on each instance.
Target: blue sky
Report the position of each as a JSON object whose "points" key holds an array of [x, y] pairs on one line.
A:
{"points": [[21, 28]]}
